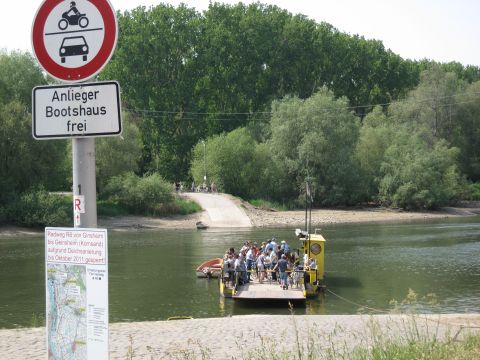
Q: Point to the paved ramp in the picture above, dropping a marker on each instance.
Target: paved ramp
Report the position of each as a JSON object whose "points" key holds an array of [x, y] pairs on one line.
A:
{"points": [[220, 210]]}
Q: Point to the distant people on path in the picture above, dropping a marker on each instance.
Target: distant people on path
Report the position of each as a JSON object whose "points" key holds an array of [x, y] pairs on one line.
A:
{"points": [[213, 186]]}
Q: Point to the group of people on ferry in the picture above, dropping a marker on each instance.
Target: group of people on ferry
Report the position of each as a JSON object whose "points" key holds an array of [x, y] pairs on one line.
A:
{"points": [[268, 258]]}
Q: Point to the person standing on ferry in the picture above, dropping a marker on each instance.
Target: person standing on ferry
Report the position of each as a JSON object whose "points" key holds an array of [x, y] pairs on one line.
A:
{"points": [[273, 262], [282, 266], [250, 261], [261, 267]]}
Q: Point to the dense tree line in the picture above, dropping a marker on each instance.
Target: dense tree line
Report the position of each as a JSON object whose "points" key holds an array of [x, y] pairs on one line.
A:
{"points": [[276, 97], [418, 152], [190, 75]]}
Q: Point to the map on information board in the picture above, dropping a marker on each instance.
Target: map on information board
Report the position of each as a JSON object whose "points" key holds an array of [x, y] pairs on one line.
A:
{"points": [[67, 333]]}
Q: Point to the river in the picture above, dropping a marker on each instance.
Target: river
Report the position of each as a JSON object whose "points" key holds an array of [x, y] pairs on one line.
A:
{"points": [[368, 266]]}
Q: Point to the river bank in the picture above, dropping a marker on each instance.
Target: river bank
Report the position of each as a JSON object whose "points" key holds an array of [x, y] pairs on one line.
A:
{"points": [[270, 218], [238, 337]]}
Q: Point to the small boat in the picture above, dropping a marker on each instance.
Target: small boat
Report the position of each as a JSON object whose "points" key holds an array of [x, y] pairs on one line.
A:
{"points": [[201, 226], [210, 268]]}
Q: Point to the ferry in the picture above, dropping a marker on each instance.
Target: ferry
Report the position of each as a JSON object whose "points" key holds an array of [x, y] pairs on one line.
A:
{"points": [[304, 281]]}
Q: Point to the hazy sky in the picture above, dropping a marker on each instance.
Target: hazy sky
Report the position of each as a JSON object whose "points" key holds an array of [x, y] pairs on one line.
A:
{"points": [[442, 30]]}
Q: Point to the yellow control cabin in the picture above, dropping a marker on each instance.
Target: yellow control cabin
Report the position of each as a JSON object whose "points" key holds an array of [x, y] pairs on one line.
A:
{"points": [[313, 250]]}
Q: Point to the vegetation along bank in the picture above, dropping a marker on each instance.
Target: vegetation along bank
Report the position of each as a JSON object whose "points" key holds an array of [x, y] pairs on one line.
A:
{"points": [[256, 100]]}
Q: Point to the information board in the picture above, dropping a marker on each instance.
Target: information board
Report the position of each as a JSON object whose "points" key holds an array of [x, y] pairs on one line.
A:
{"points": [[76, 276]]}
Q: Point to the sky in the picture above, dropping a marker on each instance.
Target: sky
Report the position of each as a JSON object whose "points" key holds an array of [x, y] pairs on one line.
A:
{"points": [[440, 30]]}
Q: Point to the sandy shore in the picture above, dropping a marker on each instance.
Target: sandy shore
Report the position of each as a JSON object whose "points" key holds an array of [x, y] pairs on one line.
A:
{"points": [[270, 218], [235, 337]]}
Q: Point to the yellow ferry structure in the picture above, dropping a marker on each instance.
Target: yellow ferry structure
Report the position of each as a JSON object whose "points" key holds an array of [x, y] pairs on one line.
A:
{"points": [[304, 282]]}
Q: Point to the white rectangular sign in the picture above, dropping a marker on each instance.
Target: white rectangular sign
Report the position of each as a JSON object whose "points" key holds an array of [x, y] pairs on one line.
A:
{"points": [[78, 204], [74, 111], [76, 275]]}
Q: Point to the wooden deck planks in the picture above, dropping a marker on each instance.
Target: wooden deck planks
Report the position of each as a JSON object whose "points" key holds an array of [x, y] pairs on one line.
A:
{"points": [[268, 291]]}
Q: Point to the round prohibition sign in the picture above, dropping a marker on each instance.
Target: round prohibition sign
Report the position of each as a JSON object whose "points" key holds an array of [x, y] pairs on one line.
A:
{"points": [[74, 40]]}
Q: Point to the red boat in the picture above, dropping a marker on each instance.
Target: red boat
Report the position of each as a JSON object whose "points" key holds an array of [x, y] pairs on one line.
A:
{"points": [[210, 268]]}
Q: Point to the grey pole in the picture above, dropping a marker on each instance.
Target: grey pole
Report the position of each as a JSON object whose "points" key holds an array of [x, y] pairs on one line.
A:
{"points": [[84, 180], [204, 162]]}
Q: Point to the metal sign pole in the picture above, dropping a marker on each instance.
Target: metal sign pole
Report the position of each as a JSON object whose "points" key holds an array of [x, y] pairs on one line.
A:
{"points": [[84, 181]]}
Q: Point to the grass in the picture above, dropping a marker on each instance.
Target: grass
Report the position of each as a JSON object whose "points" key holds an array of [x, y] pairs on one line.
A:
{"points": [[37, 320], [375, 344], [110, 209], [186, 207], [410, 337], [269, 205], [179, 206]]}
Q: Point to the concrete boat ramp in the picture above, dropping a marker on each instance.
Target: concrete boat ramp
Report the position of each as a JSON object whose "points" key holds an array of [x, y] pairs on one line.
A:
{"points": [[220, 210]]}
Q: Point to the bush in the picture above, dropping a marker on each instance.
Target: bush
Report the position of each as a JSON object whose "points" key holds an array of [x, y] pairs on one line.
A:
{"points": [[473, 192], [185, 207], [417, 175], [142, 195], [271, 206], [108, 208], [38, 208]]}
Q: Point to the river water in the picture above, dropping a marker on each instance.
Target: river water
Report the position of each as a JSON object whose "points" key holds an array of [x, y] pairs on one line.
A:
{"points": [[368, 266]]}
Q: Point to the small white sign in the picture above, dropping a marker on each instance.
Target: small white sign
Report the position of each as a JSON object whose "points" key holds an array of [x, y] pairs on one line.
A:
{"points": [[79, 204], [76, 279], [74, 111]]}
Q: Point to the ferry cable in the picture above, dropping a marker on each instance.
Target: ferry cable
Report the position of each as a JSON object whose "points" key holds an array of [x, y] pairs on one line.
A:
{"points": [[454, 338], [356, 304]]}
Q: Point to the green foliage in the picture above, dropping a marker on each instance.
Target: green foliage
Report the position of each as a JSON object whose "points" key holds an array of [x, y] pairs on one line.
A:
{"points": [[196, 75], [269, 205], [473, 192], [467, 130], [434, 349], [25, 162], [316, 138], [38, 208], [156, 63], [118, 155], [416, 175], [142, 195], [239, 166], [185, 207], [19, 73], [375, 137], [110, 209]]}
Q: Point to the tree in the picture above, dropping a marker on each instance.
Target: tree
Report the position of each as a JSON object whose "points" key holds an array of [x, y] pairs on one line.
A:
{"points": [[191, 76], [240, 166], [19, 74], [155, 61], [417, 175], [467, 131], [118, 155], [432, 105], [25, 162], [376, 135], [316, 138]]}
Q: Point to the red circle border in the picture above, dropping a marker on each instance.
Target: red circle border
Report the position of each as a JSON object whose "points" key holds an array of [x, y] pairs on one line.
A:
{"points": [[96, 64]]}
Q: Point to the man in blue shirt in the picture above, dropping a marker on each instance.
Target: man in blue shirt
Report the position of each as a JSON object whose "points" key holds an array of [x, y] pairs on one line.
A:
{"points": [[282, 266]]}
